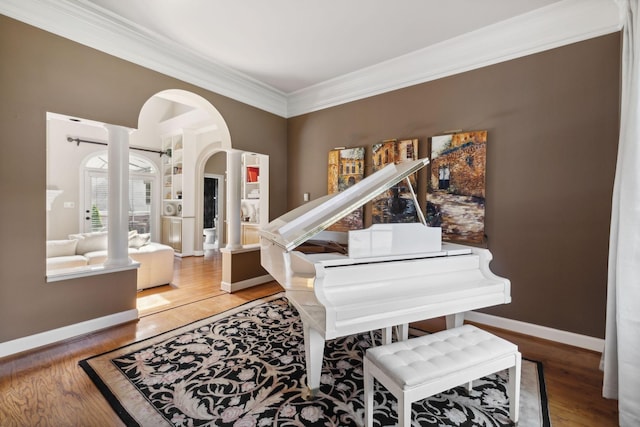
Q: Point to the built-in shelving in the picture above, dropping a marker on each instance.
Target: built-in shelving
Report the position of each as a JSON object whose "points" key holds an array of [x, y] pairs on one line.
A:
{"points": [[177, 191], [255, 198], [172, 163]]}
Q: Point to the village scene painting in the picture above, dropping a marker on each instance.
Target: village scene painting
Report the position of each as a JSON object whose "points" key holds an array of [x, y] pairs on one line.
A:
{"points": [[346, 168], [396, 204], [456, 186]]}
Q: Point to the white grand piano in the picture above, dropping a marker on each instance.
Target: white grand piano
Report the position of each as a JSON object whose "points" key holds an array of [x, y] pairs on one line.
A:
{"points": [[383, 276]]}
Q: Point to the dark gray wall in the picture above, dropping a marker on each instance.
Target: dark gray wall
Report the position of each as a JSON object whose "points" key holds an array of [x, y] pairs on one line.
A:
{"points": [[552, 121]]}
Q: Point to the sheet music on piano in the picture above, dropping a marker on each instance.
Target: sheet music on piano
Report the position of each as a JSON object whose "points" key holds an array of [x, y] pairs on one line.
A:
{"points": [[383, 276]]}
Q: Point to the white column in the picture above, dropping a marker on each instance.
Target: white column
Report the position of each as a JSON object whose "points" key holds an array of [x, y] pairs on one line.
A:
{"points": [[118, 174], [234, 189]]}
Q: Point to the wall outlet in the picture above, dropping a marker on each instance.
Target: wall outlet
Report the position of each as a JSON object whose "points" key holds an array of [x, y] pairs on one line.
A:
{"points": [[306, 197], [69, 205]]}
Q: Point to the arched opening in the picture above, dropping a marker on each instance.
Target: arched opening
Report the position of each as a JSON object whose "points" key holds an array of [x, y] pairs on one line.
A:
{"points": [[187, 126], [193, 131]]}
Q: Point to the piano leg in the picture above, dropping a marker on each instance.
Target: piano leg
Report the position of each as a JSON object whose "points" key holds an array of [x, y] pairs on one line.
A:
{"points": [[454, 320], [387, 335], [314, 353], [403, 332]]}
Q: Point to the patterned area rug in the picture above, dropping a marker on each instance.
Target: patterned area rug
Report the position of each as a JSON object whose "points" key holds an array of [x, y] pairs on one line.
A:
{"points": [[245, 367]]}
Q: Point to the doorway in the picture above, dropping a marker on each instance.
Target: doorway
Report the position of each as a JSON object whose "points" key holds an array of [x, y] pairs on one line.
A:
{"points": [[210, 202], [213, 197]]}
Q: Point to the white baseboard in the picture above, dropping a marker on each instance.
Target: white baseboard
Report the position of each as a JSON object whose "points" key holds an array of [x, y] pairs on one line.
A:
{"points": [[233, 287], [49, 337], [557, 335]]}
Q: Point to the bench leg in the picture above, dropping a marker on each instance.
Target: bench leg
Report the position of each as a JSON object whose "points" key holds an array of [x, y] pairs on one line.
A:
{"points": [[513, 388], [368, 395], [404, 411]]}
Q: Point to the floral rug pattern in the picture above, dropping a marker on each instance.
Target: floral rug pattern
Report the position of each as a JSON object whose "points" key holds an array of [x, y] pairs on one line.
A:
{"points": [[246, 368]]}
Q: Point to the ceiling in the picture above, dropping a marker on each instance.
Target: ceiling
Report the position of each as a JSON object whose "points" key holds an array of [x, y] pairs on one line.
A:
{"points": [[292, 44], [290, 57]]}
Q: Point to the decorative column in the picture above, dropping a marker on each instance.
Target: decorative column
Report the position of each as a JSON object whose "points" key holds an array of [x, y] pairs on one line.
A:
{"points": [[118, 175], [234, 189], [51, 196]]}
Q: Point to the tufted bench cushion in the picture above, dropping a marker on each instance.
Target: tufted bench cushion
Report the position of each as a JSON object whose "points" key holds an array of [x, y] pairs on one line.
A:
{"points": [[418, 360], [420, 367]]}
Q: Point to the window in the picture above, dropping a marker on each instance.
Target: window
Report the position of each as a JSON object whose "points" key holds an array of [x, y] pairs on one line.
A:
{"points": [[142, 175], [96, 206]]}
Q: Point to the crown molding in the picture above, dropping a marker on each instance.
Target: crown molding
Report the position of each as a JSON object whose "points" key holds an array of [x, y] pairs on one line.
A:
{"points": [[87, 24], [556, 25]]}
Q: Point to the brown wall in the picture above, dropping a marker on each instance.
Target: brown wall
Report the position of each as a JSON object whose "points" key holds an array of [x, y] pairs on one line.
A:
{"points": [[41, 72], [242, 265], [552, 122]]}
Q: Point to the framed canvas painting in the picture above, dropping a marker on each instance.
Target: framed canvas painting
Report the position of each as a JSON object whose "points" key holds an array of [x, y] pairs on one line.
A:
{"points": [[456, 187], [345, 168], [396, 204]]}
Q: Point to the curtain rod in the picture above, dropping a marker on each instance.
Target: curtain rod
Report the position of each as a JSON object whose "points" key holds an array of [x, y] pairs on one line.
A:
{"points": [[150, 150]]}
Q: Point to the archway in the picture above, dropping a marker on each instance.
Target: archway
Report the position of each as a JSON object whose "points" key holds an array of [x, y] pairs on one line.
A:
{"points": [[189, 131], [186, 120]]}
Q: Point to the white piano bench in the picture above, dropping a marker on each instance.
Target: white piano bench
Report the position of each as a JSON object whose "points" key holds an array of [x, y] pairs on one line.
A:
{"points": [[421, 367]]}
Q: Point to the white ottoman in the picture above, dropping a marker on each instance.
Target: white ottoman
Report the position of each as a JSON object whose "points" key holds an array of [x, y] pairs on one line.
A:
{"points": [[421, 367]]}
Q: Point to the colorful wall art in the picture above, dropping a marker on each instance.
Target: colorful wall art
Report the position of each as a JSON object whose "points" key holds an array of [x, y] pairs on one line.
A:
{"points": [[456, 187], [346, 167], [396, 204]]}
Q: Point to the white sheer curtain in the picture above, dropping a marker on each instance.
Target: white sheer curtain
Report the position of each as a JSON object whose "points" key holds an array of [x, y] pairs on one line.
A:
{"points": [[621, 358]]}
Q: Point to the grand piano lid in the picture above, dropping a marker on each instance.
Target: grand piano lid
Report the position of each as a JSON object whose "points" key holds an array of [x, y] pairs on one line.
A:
{"points": [[299, 225]]}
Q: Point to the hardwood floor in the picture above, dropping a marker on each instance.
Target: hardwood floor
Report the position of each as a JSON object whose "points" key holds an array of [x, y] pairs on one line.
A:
{"points": [[573, 379], [46, 387]]}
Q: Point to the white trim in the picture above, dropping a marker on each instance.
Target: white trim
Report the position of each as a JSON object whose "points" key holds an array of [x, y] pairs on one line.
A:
{"points": [[251, 247], [93, 26], [557, 335], [236, 286], [55, 335], [556, 25], [89, 270]]}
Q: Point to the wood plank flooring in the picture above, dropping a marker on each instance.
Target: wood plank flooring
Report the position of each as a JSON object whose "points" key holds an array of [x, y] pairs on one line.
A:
{"points": [[46, 387]]}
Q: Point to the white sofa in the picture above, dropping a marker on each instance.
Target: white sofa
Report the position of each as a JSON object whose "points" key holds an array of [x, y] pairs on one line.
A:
{"points": [[81, 250]]}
